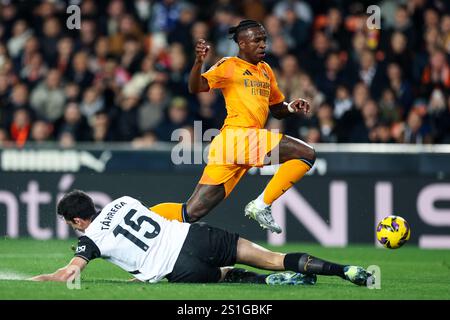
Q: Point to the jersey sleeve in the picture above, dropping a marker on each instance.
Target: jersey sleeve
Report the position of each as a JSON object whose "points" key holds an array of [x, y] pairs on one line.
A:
{"points": [[87, 249], [276, 96], [219, 74]]}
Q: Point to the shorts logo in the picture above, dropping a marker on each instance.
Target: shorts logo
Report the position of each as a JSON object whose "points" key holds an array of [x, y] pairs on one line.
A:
{"points": [[80, 249]]}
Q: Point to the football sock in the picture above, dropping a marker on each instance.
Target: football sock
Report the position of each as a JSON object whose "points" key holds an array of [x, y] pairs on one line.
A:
{"points": [[238, 275], [169, 210], [287, 175], [305, 263]]}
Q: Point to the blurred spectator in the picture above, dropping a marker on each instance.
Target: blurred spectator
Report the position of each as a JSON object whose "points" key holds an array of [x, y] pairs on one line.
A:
{"points": [[49, 39], [20, 34], [65, 48], [178, 71], [439, 112], [66, 140], [390, 111], [8, 16], [80, 73], [279, 49], [101, 128], [353, 116], [47, 98], [132, 55], [126, 119], [4, 138], [399, 53], [301, 8], [445, 32], [73, 123], [141, 79], [151, 112], [342, 102], [88, 35], [98, 60], [403, 24], [436, 73], [313, 60], [274, 29], [416, 131], [223, 20], [333, 75], [30, 48], [177, 117], [35, 71], [41, 132], [210, 110], [382, 133], [327, 124], [143, 10], [289, 76], [19, 97], [400, 86], [165, 13], [333, 27], [312, 135], [5, 89], [128, 27], [72, 92], [297, 29], [371, 73], [364, 132], [181, 33], [91, 104], [20, 127]]}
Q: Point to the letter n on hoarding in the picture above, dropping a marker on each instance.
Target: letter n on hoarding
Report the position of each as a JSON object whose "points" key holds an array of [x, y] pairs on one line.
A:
{"points": [[333, 233]]}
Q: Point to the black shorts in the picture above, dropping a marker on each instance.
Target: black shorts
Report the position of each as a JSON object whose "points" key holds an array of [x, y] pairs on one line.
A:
{"points": [[204, 251]]}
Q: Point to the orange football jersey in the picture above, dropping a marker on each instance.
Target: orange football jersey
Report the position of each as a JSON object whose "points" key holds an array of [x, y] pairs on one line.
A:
{"points": [[248, 90]]}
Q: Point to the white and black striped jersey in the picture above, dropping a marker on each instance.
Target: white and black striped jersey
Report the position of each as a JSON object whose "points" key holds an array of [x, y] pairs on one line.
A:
{"points": [[134, 238]]}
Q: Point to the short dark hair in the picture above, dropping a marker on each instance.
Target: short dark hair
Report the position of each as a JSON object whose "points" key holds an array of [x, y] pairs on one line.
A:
{"points": [[76, 204], [243, 25]]}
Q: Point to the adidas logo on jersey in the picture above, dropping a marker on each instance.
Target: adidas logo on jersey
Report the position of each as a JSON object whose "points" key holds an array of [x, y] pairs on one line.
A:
{"points": [[247, 73]]}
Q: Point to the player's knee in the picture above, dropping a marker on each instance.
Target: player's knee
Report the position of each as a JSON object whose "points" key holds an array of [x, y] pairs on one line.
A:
{"points": [[194, 213], [308, 156]]}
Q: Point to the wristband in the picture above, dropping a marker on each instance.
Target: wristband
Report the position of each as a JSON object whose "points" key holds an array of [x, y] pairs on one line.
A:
{"points": [[288, 105]]}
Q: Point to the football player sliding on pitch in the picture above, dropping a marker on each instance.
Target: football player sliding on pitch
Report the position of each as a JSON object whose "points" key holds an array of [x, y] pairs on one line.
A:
{"points": [[152, 248]]}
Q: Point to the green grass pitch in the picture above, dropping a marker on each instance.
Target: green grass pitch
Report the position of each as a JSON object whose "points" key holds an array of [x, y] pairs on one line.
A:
{"points": [[406, 273]]}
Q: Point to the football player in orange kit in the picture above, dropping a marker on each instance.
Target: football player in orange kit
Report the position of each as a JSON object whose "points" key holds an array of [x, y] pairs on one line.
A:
{"points": [[251, 92]]}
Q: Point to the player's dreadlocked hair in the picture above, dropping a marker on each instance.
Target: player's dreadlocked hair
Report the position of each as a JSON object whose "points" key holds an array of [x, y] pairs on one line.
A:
{"points": [[243, 25]]}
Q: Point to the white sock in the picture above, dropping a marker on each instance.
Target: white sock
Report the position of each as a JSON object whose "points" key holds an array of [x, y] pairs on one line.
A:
{"points": [[259, 202]]}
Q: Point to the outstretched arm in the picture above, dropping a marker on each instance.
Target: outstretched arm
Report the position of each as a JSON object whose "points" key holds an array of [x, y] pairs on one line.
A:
{"points": [[68, 272], [196, 82], [284, 109]]}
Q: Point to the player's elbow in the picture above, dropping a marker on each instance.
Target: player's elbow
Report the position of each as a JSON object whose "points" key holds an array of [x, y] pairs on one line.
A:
{"points": [[197, 89], [192, 90]]}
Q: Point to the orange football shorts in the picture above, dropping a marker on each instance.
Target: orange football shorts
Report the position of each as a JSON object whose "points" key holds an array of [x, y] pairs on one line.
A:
{"points": [[234, 151]]}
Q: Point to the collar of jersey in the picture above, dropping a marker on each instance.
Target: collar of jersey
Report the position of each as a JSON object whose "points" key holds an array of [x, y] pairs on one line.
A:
{"points": [[248, 63]]}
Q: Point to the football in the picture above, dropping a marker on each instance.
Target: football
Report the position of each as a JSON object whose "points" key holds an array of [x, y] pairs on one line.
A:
{"points": [[393, 232]]}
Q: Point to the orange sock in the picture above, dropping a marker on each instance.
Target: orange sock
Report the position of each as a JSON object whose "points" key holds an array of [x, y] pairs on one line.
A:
{"points": [[169, 210], [287, 175]]}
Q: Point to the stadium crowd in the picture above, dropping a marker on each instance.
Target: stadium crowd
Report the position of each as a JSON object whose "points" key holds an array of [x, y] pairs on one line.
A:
{"points": [[123, 75]]}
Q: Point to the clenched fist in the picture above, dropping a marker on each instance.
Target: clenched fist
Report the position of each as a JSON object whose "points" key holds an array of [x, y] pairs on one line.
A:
{"points": [[201, 50]]}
